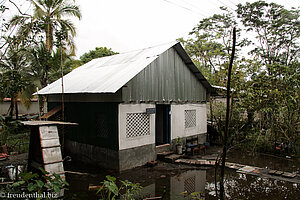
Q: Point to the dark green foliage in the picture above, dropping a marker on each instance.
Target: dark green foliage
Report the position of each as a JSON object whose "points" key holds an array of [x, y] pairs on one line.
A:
{"points": [[266, 84], [209, 45], [97, 53], [13, 71], [71, 64], [14, 75], [8, 127], [273, 86], [276, 28]]}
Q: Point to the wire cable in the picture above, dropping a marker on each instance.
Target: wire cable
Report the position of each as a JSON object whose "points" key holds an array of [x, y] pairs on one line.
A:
{"points": [[194, 6], [176, 4]]}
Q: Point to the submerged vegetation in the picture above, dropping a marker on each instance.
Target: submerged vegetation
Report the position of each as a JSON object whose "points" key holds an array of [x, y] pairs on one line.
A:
{"points": [[109, 190]]}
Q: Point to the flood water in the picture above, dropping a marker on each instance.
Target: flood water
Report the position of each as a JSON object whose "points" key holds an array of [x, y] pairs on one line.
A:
{"points": [[170, 180]]}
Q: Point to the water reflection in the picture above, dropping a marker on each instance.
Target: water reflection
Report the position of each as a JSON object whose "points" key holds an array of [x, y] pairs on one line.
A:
{"points": [[170, 180], [172, 187], [244, 186]]}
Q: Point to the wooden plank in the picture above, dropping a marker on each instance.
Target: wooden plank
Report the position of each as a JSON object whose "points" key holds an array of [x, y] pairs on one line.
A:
{"points": [[94, 187], [153, 198], [46, 123], [6, 183], [288, 175], [48, 163], [50, 143], [173, 157], [271, 172], [51, 112], [52, 155], [78, 173], [247, 169], [55, 168], [48, 132], [278, 173]]}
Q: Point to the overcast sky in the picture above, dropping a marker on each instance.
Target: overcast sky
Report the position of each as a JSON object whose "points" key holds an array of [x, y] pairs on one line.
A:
{"points": [[125, 25]]}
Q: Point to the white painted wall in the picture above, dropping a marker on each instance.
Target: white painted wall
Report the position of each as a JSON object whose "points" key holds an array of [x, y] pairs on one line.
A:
{"points": [[178, 120], [177, 123], [126, 143], [33, 109]]}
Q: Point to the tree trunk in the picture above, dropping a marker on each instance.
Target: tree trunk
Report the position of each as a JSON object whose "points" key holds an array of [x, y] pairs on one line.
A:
{"points": [[226, 133], [16, 108], [12, 107]]}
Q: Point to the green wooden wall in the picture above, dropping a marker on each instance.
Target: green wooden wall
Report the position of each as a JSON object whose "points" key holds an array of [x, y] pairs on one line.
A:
{"points": [[98, 123]]}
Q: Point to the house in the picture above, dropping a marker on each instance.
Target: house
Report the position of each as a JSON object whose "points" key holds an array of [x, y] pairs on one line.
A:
{"points": [[130, 104]]}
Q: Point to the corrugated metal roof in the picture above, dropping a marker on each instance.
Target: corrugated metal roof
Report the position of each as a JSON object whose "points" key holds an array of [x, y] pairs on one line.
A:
{"points": [[109, 74]]}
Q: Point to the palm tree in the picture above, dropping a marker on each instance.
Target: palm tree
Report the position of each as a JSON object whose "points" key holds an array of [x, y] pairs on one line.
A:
{"points": [[13, 75], [48, 19], [48, 25], [45, 66]]}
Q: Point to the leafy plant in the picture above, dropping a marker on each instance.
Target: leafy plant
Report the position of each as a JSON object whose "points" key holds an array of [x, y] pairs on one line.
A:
{"points": [[193, 195], [29, 182], [130, 190], [178, 141], [110, 190]]}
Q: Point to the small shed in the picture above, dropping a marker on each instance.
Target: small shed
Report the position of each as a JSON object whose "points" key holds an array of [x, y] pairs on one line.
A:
{"points": [[130, 104]]}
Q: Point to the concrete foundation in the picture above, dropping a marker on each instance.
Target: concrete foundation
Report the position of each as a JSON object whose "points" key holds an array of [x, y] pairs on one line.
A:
{"points": [[134, 157], [110, 159], [92, 155]]}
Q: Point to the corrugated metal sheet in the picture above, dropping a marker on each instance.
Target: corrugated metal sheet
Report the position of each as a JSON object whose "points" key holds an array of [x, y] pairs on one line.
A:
{"points": [[109, 74], [166, 79]]}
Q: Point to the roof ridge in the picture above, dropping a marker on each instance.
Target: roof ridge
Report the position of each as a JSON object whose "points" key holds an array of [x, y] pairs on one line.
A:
{"points": [[149, 47]]}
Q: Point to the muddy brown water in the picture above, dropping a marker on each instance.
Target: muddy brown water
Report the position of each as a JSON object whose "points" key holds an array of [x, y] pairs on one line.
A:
{"points": [[170, 180]]}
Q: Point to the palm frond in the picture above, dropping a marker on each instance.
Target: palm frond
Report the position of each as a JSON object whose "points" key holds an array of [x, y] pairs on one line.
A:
{"points": [[17, 20], [67, 10], [39, 9], [68, 26]]}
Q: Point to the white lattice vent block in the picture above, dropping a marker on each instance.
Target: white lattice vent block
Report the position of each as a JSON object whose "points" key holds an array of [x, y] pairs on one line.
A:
{"points": [[137, 124], [190, 185], [190, 118]]}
